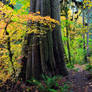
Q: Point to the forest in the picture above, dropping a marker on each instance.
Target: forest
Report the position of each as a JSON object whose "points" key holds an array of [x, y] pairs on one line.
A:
{"points": [[45, 45]]}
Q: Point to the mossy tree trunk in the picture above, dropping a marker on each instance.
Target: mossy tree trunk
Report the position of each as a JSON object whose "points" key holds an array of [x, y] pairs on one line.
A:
{"points": [[44, 55]]}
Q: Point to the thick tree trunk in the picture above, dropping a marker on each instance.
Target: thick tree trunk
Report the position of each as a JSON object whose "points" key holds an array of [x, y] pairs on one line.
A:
{"points": [[45, 55]]}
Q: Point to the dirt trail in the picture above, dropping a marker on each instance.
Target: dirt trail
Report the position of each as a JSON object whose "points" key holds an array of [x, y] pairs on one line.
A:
{"points": [[81, 80]]}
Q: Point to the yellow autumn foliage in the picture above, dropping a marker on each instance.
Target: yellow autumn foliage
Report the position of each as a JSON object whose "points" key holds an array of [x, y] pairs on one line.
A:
{"points": [[16, 26]]}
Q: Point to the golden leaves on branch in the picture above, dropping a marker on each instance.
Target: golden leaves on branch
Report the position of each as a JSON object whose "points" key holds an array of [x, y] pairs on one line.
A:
{"points": [[87, 3]]}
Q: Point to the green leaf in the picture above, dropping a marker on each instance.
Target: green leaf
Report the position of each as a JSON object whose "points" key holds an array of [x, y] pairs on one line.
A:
{"points": [[52, 90]]}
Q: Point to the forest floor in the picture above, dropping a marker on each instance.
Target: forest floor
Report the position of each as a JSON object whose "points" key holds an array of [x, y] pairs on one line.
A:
{"points": [[81, 80]]}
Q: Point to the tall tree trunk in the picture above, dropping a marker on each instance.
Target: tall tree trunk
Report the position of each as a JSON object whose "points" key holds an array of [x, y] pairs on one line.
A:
{"points": [[89, 33], [84, 47], [45, 55], [67, 31]]}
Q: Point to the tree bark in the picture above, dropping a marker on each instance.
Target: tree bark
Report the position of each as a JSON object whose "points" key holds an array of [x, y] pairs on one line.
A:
{"points": [[84, 44], [46, 55]]}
